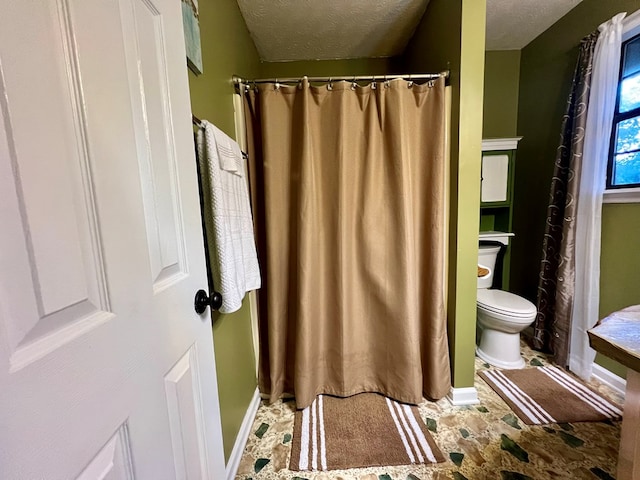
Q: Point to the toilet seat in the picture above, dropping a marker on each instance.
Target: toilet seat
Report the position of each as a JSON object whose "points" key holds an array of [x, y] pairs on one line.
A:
{"points": [[505, 303]]}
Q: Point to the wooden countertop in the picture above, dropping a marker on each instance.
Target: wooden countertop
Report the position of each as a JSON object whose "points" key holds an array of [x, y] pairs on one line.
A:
{"points": [[618, 337]]}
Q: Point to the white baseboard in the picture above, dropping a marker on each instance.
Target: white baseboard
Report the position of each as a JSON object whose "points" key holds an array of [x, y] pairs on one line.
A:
{"points": [[242, 437], [609, 378], [463, 396]]}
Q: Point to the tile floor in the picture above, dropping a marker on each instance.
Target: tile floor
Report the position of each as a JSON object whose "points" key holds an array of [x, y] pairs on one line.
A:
{"points": [[478, 442]]}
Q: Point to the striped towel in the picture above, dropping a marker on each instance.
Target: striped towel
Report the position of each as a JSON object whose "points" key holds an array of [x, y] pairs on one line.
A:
{"points": [[544, 395], [360, 431]]}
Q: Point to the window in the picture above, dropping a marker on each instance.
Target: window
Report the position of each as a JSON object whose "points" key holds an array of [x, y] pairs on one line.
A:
{"points": [[623, 170]]}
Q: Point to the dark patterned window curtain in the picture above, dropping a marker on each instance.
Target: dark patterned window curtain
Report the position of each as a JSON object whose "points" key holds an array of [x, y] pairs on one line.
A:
{"points": [[552, 327]]}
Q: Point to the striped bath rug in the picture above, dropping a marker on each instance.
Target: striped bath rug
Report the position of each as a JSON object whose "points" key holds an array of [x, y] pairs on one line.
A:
{"points": [[364, 430], [544, 395]]}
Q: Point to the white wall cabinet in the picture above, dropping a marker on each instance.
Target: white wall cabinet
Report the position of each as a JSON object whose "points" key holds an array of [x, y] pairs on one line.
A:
{"points": [[496, 196], [495, 178]]}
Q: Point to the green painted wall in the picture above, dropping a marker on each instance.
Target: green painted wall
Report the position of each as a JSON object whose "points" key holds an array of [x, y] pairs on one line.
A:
{"points": [[501, 86], [318, 68], [546, 70], [227, 49], [620, 259], [619, 265], [451, 36]]}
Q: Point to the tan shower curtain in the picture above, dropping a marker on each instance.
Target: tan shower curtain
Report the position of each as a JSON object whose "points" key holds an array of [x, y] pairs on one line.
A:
{"points": [[348, 193]]}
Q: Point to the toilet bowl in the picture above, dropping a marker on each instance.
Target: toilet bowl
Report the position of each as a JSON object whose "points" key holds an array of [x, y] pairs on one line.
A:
{"points": [[501, 317]]}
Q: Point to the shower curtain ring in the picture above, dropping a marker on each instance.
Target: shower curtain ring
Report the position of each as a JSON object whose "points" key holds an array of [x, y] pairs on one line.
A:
{"points": [[410, 83], [386, 82], [353, 83], [330, 84], [277, 84]]}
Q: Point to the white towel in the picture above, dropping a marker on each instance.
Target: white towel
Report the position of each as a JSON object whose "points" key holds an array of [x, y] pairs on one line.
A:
{"points": [[229, 152], [228, 220]]}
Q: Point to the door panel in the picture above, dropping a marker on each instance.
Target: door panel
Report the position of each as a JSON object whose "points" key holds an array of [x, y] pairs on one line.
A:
{"points": [[156, 151], [184, 404], [58, 260], [113, 461], [99, 208]]}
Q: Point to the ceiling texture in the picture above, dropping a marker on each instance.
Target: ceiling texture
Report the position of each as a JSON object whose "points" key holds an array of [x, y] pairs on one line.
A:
{"points": [[513, 24], [287, 30]]}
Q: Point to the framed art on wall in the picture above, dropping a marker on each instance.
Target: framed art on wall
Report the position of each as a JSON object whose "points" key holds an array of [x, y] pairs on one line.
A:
{"points": [[191, 22]]}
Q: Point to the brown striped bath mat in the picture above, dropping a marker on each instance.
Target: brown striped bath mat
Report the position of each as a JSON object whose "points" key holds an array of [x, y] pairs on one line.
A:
{"points": [[361, 431], [544, 395]]}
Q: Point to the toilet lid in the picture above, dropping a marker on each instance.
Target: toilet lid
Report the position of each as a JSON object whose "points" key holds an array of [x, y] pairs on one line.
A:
{"points": [[504, 302]]}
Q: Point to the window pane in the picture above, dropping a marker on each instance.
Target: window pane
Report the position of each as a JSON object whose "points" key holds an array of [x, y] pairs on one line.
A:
{"points": [[631, 58], [630, 93], [628, 135], [626, 169]]}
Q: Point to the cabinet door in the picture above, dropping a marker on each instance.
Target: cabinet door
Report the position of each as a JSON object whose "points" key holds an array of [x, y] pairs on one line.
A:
{"points": [[495, 178]]}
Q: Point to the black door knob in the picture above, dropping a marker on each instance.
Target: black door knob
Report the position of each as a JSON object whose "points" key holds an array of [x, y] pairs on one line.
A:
{"points": [[202, 301]]}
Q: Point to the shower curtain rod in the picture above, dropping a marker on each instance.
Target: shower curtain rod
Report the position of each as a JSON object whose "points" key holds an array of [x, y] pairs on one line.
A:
{"points": [[354, 78]]}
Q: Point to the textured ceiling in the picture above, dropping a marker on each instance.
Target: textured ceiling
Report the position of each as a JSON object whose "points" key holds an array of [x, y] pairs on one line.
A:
{"points": [[285, 30], [512, 24], [328, 29]]}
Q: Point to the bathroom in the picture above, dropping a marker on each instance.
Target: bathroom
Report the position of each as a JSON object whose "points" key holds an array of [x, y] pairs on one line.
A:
{"points": [[524, 95], [102, 247]]}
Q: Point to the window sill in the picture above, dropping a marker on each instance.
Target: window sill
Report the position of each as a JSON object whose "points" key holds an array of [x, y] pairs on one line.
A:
{"points": [[621, 195]]}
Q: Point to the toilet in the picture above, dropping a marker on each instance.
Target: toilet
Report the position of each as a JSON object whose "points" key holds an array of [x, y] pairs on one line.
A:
{"points": [[501, 317]]}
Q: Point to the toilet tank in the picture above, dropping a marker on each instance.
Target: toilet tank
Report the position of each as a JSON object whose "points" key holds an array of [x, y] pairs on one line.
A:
{"points": [[487, 255]]}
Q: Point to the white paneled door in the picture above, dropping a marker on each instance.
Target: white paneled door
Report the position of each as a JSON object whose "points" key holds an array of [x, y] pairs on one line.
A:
{"points": [[106, 371]]}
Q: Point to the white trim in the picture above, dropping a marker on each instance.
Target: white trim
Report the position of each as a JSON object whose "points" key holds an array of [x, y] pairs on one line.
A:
{"points": [[463, 396], [491, 144], [621, 195], [610, 379], [242, 437], [631, 26], [502, 237]]}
